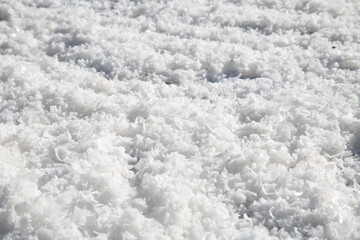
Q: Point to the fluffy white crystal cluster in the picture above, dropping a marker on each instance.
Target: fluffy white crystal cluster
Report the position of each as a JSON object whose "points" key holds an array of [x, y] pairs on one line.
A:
{"points": [[179, 119]]}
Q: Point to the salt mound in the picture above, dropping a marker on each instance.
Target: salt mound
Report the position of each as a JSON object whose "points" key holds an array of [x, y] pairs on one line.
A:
{"points": [[179, 119]]}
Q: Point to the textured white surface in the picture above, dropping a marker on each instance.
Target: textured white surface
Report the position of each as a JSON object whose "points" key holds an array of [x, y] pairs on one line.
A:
{"points": [[179, 119]]}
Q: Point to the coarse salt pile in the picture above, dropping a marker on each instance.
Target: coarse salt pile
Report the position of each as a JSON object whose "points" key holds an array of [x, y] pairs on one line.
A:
{"points": [[205, 119]]}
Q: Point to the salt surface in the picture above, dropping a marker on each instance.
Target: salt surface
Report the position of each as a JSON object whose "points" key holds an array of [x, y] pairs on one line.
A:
{"points": [[179, 119]]}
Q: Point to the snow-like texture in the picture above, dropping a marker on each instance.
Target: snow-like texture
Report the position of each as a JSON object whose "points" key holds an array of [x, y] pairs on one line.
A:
{"points": [[179, 119]]}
